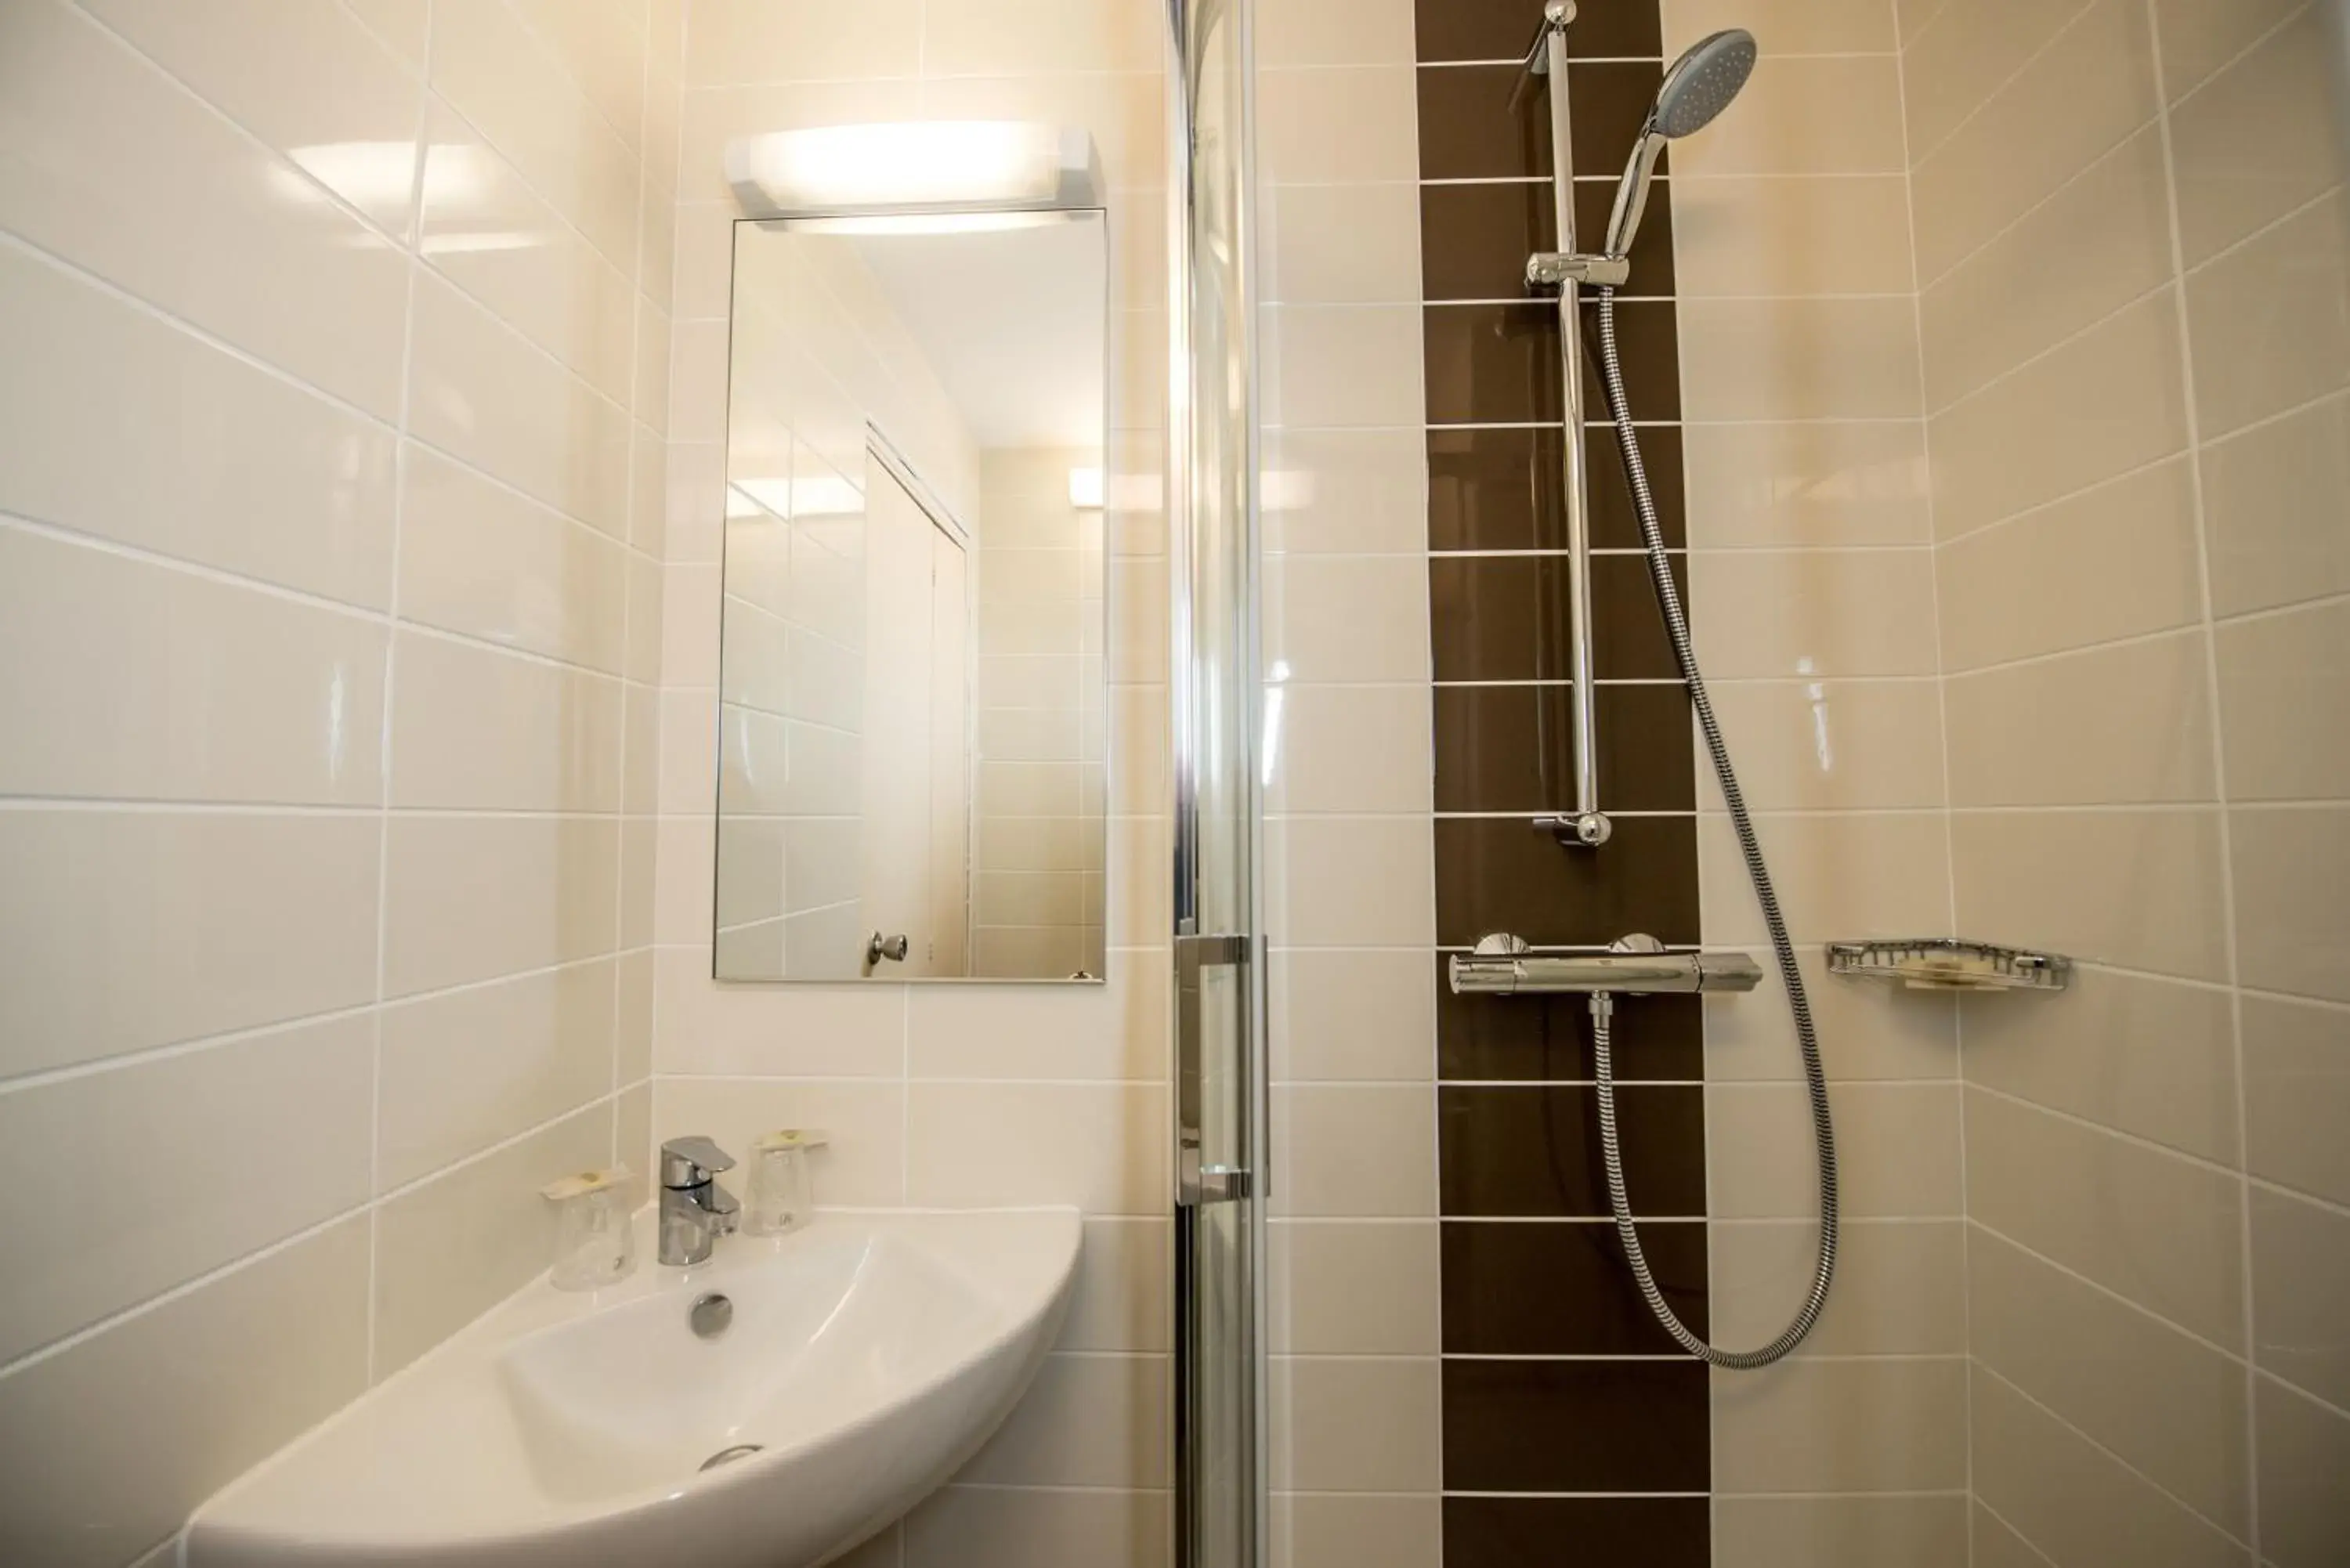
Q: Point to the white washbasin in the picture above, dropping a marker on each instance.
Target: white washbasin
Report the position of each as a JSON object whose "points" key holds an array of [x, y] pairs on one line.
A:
{"points": [[869, 1356]]}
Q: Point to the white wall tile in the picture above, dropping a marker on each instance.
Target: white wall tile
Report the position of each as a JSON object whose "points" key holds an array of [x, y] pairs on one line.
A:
{"points": [[491, 398], [471, 898], [2303, 1449], [2169, 1405], [461, 1070], [1815, 1426], [142, 929], [2089, 1200], [126, 678], [117, 168], [196, 1122], [121, 425], [117, 1438], [2074, 1502], [450, 1248], [1854, 1531], [489, 65], [1091, 1420]]}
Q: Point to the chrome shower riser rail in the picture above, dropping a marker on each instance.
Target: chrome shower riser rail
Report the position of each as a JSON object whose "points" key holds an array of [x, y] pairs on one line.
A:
{"points": [[1587, 825]]}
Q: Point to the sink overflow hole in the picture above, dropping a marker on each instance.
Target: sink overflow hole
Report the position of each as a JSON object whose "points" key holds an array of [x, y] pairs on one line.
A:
{"points": [[727, 1456], [708, 1318]]}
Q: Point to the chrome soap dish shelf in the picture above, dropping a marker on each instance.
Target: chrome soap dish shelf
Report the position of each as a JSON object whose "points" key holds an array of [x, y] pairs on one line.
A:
{"points": [[1951, 963]]}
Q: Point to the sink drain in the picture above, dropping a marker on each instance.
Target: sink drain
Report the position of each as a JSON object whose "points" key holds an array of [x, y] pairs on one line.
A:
{"points": [[728, 1456], [709, 1315]]}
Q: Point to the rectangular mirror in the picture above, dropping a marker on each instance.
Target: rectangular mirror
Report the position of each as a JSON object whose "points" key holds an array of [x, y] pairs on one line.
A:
{"points": [[912, 697]]}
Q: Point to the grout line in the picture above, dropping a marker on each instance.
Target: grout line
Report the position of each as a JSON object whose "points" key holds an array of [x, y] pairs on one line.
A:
{"points": [[46, 1076], [2095, 163], [2185, 1157], [2219, 756], [553, 56], [186, 1287], [365, 1207], [2231, 62], [2048, 349], [387, 618], [384, 717], [1979, 1502], [2025, 513], [2082, 8], [1990, 1371], [2057, 655], [2139, 1308]]}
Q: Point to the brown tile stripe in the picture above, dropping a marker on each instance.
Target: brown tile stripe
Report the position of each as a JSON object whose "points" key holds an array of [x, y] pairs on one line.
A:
{"points": [[1533, 1151], [1501, 29], [1539, 1039], [1470, 130], [1502, 873], [1574, 1426], [1493, 364], [1564, 1290], [1531, 1271], [1511, 749], [1504, 618], [1497, 487], [1561, 1532], [1474, 239]]}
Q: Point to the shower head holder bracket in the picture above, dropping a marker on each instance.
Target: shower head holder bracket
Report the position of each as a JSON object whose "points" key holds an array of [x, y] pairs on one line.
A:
{"points": [[1555, 269]]}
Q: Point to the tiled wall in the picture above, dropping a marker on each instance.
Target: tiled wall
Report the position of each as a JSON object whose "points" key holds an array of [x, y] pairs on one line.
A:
{"points": [[2132, 254], [1812, 596], [1466, 1372], [953, 1095], [1350, 902], [1567, 1415], [1037, 884], [817, 360], [330, 523]]}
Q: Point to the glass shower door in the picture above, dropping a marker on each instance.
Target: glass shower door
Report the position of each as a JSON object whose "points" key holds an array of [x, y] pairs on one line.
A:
{"points": [[1212, 692]]}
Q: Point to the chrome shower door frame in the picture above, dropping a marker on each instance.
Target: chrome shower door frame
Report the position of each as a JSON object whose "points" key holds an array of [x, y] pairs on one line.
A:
{"points": [[1218, 1017]]}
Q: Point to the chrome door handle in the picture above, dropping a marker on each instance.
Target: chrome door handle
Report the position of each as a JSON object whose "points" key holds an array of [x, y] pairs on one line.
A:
{"points": [[1195, 1183], [891, 948]]}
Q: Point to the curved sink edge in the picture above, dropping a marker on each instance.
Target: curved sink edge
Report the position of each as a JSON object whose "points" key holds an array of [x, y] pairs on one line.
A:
{"points": [[204, 1538]]}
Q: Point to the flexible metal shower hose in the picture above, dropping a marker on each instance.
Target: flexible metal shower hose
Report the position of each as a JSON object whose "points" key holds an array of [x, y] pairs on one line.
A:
{"points": [[1669, 599]]}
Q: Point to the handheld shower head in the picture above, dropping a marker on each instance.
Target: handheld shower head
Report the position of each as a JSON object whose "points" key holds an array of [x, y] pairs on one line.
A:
{"points": [[1702, 82], [1699, 87]]}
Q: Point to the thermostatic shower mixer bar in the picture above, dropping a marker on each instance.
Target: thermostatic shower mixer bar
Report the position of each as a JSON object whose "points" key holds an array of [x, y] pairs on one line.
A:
{"points": [[1587, 825], [1505, 965]]}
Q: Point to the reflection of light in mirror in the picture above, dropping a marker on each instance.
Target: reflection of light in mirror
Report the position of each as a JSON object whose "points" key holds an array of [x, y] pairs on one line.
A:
{"points": [[755, 497], [1275, 680], [1085, 488], [910, 164], [818, 495], [826, 495]]}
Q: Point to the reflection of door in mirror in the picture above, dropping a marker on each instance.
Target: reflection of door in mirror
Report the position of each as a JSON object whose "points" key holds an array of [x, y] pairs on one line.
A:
{"points": [[911, 834], [911, 699]]}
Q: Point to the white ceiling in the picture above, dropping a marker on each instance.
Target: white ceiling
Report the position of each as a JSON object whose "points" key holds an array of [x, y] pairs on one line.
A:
{"points": [[1012, 320]]}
